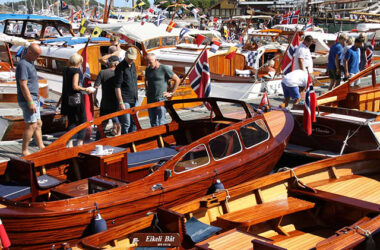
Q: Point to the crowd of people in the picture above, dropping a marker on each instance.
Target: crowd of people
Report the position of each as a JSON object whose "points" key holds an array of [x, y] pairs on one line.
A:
{"points": [[118, 82]]}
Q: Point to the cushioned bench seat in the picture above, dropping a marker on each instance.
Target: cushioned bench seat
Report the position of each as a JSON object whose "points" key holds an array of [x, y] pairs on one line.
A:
{"points": [[150, 156], [13, 191]]}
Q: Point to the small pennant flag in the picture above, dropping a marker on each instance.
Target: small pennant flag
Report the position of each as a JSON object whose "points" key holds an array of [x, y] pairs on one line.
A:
{"points": [[64, 5], [96, 32], [150, 10], [215, 46], [199, 39], [83, 26], [141, 4], [159, 20], [145, 19], [171, 26], [231, 53], [309, 25], [87, 3], [264, 101], [183, 32]]}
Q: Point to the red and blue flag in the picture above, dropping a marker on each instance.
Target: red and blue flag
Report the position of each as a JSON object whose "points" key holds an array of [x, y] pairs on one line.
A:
{"points": [[288, 62], [310, 106], [200, 76]]}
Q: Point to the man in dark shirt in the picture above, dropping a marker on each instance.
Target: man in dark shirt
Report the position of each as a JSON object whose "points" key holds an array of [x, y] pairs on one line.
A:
{"points": [[126, 88], [27, 98], [109, 104]]}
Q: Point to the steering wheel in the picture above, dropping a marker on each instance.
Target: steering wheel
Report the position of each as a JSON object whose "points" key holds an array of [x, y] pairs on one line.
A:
{"points": [[155, 167]]}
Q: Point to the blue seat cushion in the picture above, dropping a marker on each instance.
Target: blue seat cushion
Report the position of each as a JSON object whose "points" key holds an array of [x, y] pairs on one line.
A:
{"points": [[47, 181], [12, 191], [150, 156], [199, 231]]}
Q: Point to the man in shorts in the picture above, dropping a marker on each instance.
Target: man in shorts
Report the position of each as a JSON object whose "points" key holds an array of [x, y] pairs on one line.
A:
{"points": [[27, 98], [291, 84], [335, 56]]}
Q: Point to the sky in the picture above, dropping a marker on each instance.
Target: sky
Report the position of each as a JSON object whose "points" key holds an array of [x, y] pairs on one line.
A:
{"points": [[118, 3]]}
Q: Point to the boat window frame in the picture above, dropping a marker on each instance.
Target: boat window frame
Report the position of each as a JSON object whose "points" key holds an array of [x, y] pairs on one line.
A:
{"points": [[254, 145], [208, 156], [146, 42], [241, 148]]}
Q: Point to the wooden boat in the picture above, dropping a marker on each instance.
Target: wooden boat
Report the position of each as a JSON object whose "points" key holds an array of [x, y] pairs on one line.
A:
{"points": [[346, 115], [233, 143], [35, 27], [307, 207]]}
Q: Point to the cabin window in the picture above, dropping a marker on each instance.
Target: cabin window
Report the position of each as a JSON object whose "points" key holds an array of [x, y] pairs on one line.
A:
{"points": [[33, 30], [225, 145], [234, 111], [14, 27], [195, 158], [198, 113], [169, 41], [152, 43], [64, 31], [254, 133], [51, 31]]}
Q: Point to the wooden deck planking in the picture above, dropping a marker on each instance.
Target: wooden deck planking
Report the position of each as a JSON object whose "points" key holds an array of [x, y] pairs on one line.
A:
{"points": [[302, 241], [362, 188]]}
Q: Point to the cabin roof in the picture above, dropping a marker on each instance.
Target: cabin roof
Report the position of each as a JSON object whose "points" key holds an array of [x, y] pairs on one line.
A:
{"points": [[13, 40], [31, 17]]}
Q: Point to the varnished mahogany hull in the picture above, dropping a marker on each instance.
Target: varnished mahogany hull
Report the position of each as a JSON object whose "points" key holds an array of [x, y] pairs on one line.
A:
{"points": [[29, 230]]}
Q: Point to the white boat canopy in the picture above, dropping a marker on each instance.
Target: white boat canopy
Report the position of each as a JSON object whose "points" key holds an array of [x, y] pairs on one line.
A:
{"points": [[247, 17], [14, 40]]}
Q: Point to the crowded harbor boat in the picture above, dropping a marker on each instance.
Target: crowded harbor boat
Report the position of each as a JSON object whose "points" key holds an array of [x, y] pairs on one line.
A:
{"points": [[189, 125]]}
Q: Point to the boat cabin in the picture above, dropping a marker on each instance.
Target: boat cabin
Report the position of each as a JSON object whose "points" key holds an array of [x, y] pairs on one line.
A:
{"points": [[35, 27]]}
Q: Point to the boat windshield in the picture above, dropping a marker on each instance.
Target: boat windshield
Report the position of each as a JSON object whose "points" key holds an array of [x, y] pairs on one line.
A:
{"points": [[152, 43], [169, 41]]}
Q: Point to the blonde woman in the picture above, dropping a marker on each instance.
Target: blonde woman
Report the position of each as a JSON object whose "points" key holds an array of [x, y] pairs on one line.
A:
{"points": [[72, 84]]}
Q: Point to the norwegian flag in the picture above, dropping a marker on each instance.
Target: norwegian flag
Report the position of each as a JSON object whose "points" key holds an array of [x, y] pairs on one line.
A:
{"points": [[369, 51], [264, 101], [293, 19], [309, 25], [285, 18], [5, 242], [215, 46], [88, 101], [200, 76], [310, 107], [288, 62]]}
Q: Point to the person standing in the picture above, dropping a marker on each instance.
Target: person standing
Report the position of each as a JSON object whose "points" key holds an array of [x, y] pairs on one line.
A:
{"points": [[119, 52], [363, 48], [335, 56], [73, 85], [27, 98], [303, 58], [352, 59], [291, 85], [126, 88], [109, 104], [156, 87]]}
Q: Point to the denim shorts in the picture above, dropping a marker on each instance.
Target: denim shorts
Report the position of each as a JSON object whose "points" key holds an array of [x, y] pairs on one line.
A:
{"points": [[30, 117], [292, 92]]}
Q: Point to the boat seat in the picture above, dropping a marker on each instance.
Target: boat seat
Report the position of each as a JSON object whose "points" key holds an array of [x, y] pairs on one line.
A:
{"points": [[337, 198], [13, 191], [150, 156], [263, 212], [199, 231], [46, 181]]}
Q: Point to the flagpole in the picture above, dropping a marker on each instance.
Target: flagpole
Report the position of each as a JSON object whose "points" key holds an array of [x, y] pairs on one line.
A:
{"points": [[286, 51], [175, 10], [192, 66], [249, 22]]}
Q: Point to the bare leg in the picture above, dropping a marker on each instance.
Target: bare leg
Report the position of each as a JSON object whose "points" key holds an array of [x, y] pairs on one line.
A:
{"points": [[332, 84], [38, 135], [70, 143], [28, 133], [79, 142], [285, 103]]}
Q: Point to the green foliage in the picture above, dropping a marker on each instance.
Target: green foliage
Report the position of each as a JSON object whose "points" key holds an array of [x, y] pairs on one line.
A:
{"points": [[200, 4], [145, 6]]}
